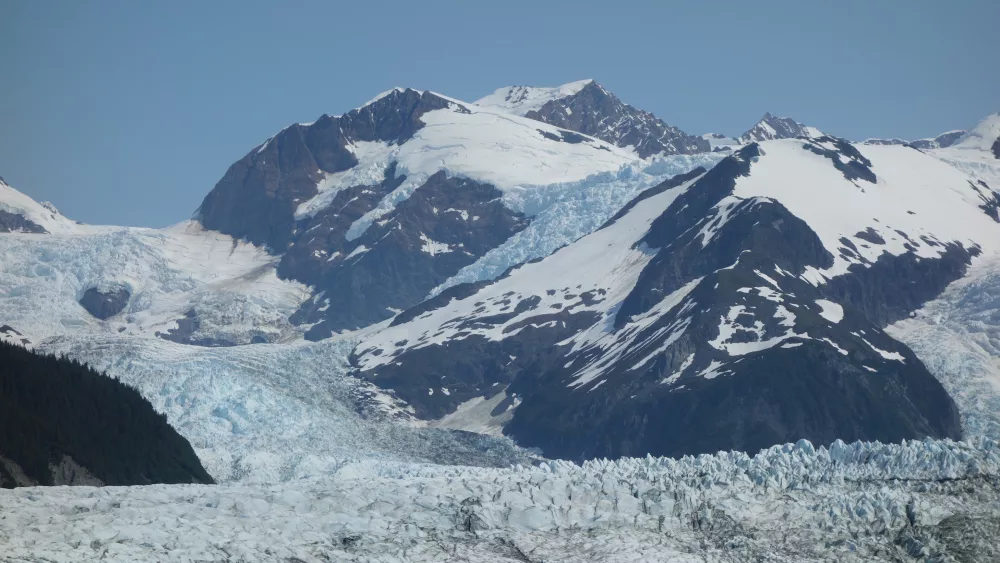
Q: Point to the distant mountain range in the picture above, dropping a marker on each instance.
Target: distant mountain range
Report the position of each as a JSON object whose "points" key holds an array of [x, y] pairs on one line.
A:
{"points": [[548, 264]]}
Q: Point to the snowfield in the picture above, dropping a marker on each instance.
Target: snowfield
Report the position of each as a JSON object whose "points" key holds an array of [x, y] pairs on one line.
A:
{"points": [[926, 500], [232, 285]]}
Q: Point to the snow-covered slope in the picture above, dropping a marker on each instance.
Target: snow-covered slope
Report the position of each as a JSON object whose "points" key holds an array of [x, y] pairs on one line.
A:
{"points": [[784, 259], [861, 502], [414, 182], [772, 127], [21, 214], [720, 142], [943, 140], [520, 100], [977, 152], [203, 332], [587, 107], [229, 289]]}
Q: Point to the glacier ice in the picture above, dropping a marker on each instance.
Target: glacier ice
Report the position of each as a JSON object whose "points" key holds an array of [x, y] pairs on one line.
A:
{"points": [[957, 336], [925, 500], [562, 213]]}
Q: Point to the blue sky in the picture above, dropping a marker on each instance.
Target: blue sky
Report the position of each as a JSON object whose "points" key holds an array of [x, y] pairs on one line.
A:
{"points": [[129, 112]]}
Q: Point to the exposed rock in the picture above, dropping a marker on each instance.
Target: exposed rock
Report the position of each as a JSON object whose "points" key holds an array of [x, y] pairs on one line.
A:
{"points": [[445, 225], [772, 127], [660, 374], [69, 472], [844, 157], [11, 475], [14, 223], [257, 198], [186, 330], [9, 334], [596, 112], [105, 304]]}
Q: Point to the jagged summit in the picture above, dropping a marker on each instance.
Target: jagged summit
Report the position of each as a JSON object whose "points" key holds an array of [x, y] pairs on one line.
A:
{"points": [[588, 107], [772, 127]]}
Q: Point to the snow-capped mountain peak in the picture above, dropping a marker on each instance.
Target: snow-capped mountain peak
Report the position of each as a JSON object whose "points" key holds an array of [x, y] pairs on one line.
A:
{"points": [[984, 136], [21, 214], [392, 91], [519, 100], [772, 127], [589, 108]]}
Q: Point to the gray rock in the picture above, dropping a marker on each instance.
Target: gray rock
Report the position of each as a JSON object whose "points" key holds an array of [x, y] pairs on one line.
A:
{"points": [[257, 198], [772, 127], [808, 389], [14, 223], [596, 112], [104, 305]]}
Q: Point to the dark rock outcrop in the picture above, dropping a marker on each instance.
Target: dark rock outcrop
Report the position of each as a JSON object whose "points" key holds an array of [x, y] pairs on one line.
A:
{"points": [[856, 167], [772, 127], [996, 148], [257, 198], [14, 223], [9, 334], [941, 141], [446, 224], [789, 359], [596, 112], [105, 304], [389, 262]]}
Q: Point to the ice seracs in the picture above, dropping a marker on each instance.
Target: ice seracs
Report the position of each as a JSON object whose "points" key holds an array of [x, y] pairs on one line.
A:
{"points": [[853, 502]]}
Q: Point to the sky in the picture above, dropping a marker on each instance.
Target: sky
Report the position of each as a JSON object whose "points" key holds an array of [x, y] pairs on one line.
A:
{"points": [[128, 113]]}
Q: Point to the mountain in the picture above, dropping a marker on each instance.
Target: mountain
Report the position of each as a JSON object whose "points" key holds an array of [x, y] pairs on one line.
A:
{"points": [[976, 152], [62, 423], [279, 330], [587, 107], [983, 136], [941, 141], [771, 127], [720, 142], [21, 214], [377, 207], [724, 309]]}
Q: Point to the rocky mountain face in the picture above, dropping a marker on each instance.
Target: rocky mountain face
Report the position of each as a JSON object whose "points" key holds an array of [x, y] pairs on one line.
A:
{"points": [[439, 225], [257, 198], [445, 225], [772, 127], [596, 112], [725, 309], [941, 141], [587, 107], [16, 223]]}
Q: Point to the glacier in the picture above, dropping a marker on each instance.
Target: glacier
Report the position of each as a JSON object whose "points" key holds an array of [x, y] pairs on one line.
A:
{"points": [[564, 212], [957, 336], [916, 501]]}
